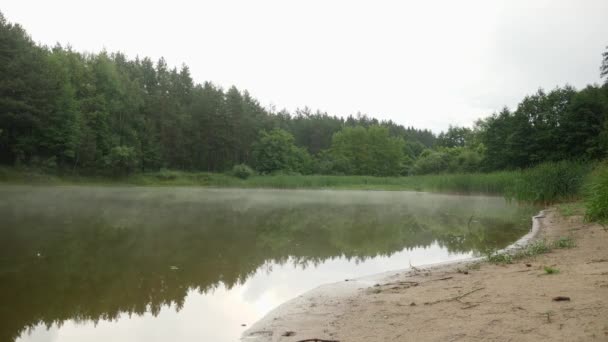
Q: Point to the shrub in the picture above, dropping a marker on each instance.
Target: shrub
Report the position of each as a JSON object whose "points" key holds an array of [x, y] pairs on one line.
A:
{"points": [[367, 151], [430, 162], [242, 171], [122, 160], [276, 151], [166, 175]]}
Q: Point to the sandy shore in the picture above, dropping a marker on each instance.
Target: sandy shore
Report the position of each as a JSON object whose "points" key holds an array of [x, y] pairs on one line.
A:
{"points": [[474, 301]]}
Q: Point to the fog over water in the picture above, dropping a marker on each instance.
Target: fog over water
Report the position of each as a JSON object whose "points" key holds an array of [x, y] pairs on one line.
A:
{"points": [[184, 264]]}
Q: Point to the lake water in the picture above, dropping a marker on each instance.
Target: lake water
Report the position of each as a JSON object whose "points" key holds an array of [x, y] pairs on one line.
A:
{"points": [[192, 264]]}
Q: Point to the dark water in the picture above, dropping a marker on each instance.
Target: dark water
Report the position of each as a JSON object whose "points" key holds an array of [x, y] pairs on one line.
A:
{"points": [[180, 264]]}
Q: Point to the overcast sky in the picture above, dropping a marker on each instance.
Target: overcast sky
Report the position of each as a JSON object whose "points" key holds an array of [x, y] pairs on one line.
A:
{"points": [[420, 63]]}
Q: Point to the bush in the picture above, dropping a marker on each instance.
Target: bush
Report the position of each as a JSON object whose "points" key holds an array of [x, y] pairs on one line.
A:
{"points": [[596, 195], [122, 160], [166, 175], [450, 160], [242, 171], [367, 151], [431, 162], [276, 151]]}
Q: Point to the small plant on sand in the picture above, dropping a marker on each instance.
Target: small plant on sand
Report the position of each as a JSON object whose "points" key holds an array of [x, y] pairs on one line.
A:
{"points": [[548, 314], [535, 248], [551, 270], [571, 209], [565, 242], [500, 258]]}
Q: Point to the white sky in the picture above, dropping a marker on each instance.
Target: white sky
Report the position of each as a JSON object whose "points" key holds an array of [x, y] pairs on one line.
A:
{"points": [[421, 63]]}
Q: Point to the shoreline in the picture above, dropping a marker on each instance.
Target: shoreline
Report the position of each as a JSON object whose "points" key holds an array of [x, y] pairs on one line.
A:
{"points": [[490, 184], [344, 288], [354, 187], [337, 311]]}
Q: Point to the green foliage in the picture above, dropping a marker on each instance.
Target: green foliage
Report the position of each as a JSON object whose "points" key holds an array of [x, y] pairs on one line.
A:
{"points": [[532, 249], [549, 182], [571, 209], [447, 160], [276, 151], [431, 162], [535, 248], [64, 111], [498, 183], [500, 258], [604, 67], [242, 171], [565, 242], [455, 137], [596, 195], [550, 270], [122, 160], [166, 175], [367, 151], [561, 124]]}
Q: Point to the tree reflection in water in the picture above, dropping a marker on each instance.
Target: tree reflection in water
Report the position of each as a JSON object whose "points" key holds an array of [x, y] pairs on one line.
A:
{"points": [[86, 253]]}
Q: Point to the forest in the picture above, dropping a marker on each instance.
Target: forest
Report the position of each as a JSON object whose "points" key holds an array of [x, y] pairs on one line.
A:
{"points": [[62, 111]]}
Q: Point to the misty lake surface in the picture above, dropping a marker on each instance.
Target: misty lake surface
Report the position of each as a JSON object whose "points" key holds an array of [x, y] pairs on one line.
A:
{"points": [[192, 264]]}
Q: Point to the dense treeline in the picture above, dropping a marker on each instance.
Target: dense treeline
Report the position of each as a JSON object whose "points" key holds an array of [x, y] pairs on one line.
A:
{"points": [[104, 112], [65, 111], [563, 124]]}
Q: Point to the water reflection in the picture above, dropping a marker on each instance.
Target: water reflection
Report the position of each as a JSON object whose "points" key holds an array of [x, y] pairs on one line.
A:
{"points": [[129, 264]]}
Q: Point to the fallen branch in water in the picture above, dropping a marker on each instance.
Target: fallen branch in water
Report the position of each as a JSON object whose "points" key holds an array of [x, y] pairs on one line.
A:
{"points": [[317, 340]]}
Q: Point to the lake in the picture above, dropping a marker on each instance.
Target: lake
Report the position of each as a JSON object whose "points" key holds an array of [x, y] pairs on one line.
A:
{"points": [[85, 263]]}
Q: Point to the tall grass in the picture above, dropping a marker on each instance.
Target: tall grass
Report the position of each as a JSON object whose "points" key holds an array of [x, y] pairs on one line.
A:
{"points": [[550, 182], [546, 183], [596, 195], [490, 183]]}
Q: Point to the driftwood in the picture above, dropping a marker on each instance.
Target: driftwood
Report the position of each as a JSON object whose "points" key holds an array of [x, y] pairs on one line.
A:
{"points": [[457, 298], [291, 333]]}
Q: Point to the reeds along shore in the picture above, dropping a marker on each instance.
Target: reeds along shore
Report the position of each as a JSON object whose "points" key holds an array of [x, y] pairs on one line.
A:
{"points": [[546, 183]]}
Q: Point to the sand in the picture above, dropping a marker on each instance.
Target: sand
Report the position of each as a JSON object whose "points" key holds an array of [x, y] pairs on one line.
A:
{"points": [[465, 301]]}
